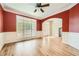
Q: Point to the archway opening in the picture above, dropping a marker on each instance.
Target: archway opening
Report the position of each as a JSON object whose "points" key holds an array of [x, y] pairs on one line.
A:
{"points": [[52, 27]]}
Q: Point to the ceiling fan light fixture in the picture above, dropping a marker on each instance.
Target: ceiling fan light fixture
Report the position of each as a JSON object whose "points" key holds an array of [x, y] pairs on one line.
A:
{"points": [[40, 6]]}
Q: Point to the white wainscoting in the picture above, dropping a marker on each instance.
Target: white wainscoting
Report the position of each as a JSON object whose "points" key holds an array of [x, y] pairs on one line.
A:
{"points": [[65, 37], [11, 37], [71, 39], [14, 37], [39, 34], [1, 40]]}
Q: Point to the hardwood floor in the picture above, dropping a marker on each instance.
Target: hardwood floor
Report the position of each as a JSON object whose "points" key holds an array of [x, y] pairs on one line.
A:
{"points": [[53, 46], [39, 47], [26, 48]]}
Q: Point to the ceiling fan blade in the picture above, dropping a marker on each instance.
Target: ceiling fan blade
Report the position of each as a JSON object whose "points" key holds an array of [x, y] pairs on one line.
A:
{"points": [[45, 5], [35, 10], [42, 10]]}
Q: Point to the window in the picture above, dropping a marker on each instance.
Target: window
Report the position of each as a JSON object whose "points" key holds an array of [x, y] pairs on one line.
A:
{"points": [[26, 27]]}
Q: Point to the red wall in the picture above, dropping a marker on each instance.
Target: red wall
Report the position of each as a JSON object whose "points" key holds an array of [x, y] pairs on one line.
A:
{"points": [[1, 19], [39, 25], [65, 19], [9, 22], [74, 19]]}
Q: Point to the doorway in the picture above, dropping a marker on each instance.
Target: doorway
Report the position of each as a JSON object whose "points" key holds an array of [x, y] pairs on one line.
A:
{"points": [[52, 27]]}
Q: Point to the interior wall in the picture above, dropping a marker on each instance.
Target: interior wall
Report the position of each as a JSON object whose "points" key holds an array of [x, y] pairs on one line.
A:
{"points": [[9, 22], [1, 28], [9, 28], [73, 34], [39, 28], [65, 20], [1, 19], [39, 25], [74, 19]]}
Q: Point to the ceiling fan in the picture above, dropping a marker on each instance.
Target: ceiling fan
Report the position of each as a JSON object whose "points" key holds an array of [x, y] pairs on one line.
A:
{"points": [[40, 6]]}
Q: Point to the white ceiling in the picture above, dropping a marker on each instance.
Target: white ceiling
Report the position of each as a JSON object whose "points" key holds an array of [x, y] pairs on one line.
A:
{"points": [[27, 9]]}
